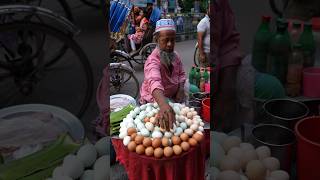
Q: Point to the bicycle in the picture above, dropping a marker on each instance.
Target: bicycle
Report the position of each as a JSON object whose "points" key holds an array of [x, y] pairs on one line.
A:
{"points": [[32, 68]]}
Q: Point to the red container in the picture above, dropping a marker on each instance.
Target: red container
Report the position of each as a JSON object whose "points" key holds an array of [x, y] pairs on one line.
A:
{"points": [[206, 109], [311, 79], [308, 148]]}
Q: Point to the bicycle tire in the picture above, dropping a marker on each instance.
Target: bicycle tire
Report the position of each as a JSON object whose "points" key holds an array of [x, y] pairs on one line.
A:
{"points": [[132, 75], [114, 59], [145, 52], [72, 45]]}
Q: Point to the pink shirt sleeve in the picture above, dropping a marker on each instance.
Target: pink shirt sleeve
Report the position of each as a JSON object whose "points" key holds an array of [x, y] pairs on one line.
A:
{"points": [[153, 76]]}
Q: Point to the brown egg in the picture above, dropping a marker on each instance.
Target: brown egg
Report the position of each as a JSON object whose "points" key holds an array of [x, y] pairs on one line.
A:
{"points": [[175, 140], [147, 142], [165, 142], [158, 152], [177, 149], [138, 139], [156, 143], [197, 137], [192, 142], [132, 146], [168, 151], [146, 119], [131, 130], [185, 146], [140, 149], [184, 137], [133, 136], [149, 151]]}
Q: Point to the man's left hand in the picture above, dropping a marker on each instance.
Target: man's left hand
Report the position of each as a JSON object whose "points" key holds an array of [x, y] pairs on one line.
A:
{"points": [[180, 97]]}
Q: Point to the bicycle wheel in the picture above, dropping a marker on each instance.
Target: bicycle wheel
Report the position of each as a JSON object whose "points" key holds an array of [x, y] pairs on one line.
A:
{"points": [[196, 57], [145, 52], [119, 58], [123, 81], [24, 78], [92, 3]]}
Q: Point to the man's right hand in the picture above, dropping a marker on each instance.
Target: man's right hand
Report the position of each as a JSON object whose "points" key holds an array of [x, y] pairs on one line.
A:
{"points": [[166, 117]]}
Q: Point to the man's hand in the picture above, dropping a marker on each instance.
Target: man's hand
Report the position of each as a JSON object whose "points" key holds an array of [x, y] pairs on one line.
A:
{"points": [[180, 96], [166, 117]]}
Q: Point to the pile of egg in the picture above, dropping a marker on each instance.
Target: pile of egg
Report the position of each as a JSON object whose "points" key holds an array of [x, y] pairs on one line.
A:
{"points": [[236, 160], [141, 135]]}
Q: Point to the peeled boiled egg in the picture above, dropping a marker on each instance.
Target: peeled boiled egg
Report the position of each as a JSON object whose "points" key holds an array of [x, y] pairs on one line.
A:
{"points": [[139, 139], [184, 137], [165, 142], [263, 152], [88, 153], [158, 152], [132, 146], [87, 175], [192, 142], [72, 166], [156, 142], [236, 152], [280, 175], [248, 156], [126, 140], [177, 150], [197, 136], [168, 151], [256, 170], [140, 149], [147, 142], [100, 167], [218, 154], [271, 163], [149, 151], [175, 140], [189, 132], [230, 142], [228, 175], [246, 146], [219, 137], [230, 163], [185, 146], [57, 172]]}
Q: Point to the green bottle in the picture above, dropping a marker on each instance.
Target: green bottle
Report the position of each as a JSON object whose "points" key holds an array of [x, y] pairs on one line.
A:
{"points": [[191, 76], [197, 77], [261, 44], [284, 23], [308, 45], [280, 50], [206, 75]]}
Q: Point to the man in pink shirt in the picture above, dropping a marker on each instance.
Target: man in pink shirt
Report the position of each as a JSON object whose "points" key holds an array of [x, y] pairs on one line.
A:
{"points": [[164, 76]]}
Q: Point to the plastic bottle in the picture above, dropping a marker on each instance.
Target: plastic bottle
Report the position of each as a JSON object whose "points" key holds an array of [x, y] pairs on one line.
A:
{"points": [[316, 35], [295, 32], [295, 66], [192, 75], [282, 22], [280, 50], [197, 77], [261, 44], [308, 45]]}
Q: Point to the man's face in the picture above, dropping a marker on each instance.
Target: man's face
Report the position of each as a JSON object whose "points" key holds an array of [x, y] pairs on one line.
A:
{"points": [[167, 40]]}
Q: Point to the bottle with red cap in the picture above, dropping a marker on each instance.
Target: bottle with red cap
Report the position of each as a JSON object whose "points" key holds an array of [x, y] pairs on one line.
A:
{"points": [[261, 45], [316, 35]]}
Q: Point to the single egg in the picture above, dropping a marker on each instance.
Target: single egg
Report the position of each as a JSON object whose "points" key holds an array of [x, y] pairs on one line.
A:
{"points": [[189, 132], [165, 142], [218, 154], [177, 150], [131, 130], [149, 126], [248, 156], [185, 146], [168, 151], [145, 132], [184, 137], [139, 139], [147, 142], [72, 166], [271, 163], [57, 172], [201, 129], [133, 136], [231, 142], [153, 120], [146, 119], [158, 152], [192, 142], [132, 146], [219, 137], [194, 113], [183, 125], [189, 122], [280, 175], [168, 135], [189, 115], [228, 175], [263, 152], [126, 140], [140, 149], [197, 136], [149, 151], [230, 163], [246, 146], [87, 175], [194, 127], [255, 170], [157, 134], [88, 153], [175, 140], [156, 142], [236, 153]]}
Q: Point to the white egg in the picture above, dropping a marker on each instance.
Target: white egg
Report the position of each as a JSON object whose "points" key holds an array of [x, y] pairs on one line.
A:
{"points": [[183, 125], [123, 134], [201, 129], [246, 146], [149, 126], [129, 120], [194, 113], [196, 123], [194, 127], [155, 105], [133, 114], [280, 174], [150, 114], [129, 116], [168, 134], [230, 163], [123, 129], [88, 153], [57, 172], [126, 140], [263, 152], [153, 120], [183, 112], [197, 117], [177, 123], [123, 124], [72, 166], [189, 115], [101, 146], [145, 132], [219, 137], [189, 122], [137, 110], [143, 107], [230, 142], [130, 125], [187, 109], [192, 109], [181, 118], [189, 132], [271, 163], [87, 175], [140, 126], [156, 134], [178, 131], [218, 154], [157, 128], [99, 169], [201, 124], [176, 109]]}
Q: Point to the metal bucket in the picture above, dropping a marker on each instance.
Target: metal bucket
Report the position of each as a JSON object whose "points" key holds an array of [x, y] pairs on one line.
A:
{"points": [[285, 112], [196, 105], [279, 139]]}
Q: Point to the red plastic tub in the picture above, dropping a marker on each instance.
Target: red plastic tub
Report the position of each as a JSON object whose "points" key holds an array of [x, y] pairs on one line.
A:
{"points": [[206, 109], [311, 79], [308, 148]]}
